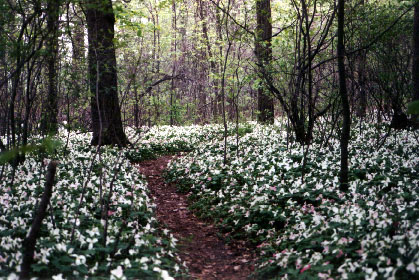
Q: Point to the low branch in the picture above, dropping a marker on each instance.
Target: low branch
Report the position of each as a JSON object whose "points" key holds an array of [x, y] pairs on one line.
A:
{"points": [[323, 112], [165, 78]]}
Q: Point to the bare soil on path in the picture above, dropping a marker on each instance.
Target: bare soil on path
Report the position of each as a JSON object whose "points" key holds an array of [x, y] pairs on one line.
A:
{"points": [[205, 254]]}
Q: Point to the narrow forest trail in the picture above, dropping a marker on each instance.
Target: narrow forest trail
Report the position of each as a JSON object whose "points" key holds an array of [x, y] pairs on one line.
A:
{"points": [[206, 255]]}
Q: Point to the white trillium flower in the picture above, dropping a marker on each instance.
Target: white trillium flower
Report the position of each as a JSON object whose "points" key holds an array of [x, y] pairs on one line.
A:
{"points": [[58, 277], [117, 273]]}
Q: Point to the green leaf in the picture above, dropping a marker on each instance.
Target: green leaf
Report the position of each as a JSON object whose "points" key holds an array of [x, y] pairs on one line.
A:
{"points": [[7, 156], [50, 144], [413, 107]]}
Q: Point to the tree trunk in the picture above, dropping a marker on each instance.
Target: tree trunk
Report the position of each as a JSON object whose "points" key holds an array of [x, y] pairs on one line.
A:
{"points": [[49, 121], [263, 52], [29, 242], [78, 77], [105, 110], [361, 60], [78, 46], [3, 67], [218, 110], [209, 56], [415, 65], [344, 139], [174, 58]]}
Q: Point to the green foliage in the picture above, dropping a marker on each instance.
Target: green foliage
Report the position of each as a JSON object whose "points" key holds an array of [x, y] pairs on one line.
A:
{"points": [[129, 18], [413, 107], [48, 145], [141, 249], [306, 228]]}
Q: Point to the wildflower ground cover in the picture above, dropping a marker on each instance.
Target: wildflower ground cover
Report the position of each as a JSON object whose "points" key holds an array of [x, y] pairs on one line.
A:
{"points": [[280, 196], [286, 200], [161, 140], [72, 242]]}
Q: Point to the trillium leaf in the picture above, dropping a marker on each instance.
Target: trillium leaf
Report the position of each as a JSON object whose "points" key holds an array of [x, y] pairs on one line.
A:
{"points": [[413, 107]]}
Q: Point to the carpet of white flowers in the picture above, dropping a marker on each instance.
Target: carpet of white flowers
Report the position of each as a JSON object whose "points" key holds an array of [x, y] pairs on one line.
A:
{"points": [[135, 247], [303, 225], [160, 140]]}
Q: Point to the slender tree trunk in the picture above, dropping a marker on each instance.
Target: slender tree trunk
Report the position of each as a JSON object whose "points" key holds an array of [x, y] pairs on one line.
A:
{"points": [[79, 82], [218, 29], [361, 81], [29, 242], [136, 107], [360, 61], [14, 91], [223, 84], [215, 81], [174, 62], [311, 102], [344, 139], [105, 110], [3, 66], [49, 121], [28, 101], [78, 46], [263, 52], [415, 65]]}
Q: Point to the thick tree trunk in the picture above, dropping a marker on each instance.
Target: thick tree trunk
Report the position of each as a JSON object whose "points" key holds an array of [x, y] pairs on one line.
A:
{"points": [[49, 121], [344, 139], [415, 66], [105, 110], [263, 52]]}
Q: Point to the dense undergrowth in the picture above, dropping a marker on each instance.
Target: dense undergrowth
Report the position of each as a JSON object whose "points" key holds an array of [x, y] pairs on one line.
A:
{"points": [[290, 205], [275, 194], [136, 246]]}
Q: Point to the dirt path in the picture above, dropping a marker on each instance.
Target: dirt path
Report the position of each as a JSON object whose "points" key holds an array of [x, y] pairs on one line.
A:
{"points": [[206, 256]]}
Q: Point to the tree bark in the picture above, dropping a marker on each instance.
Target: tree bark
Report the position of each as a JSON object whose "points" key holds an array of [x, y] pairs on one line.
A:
{"points": [[209, 56], [344, 138], [105, 110], [30, 241], [174, 61], [415, 65], [49, 121], [361, 61], [263, 52], [3, 67], [78, 46]]}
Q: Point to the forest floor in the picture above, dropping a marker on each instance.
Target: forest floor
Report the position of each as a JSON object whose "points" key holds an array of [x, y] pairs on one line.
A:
{"points": [[206, 255]]}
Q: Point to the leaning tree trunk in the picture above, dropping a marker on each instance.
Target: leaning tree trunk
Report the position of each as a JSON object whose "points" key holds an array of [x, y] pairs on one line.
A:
{"points": [[263, 54], [105, 110], [344, 139]]}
